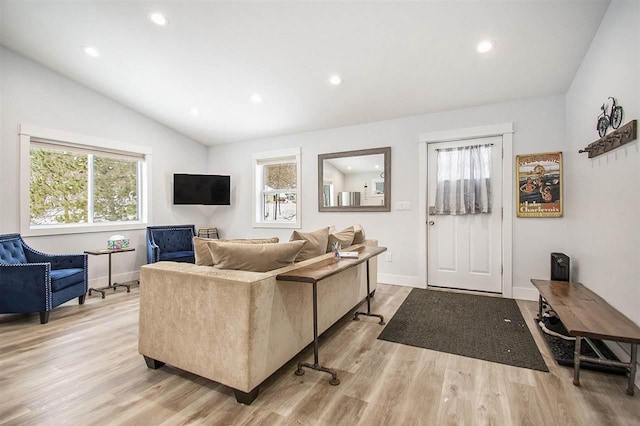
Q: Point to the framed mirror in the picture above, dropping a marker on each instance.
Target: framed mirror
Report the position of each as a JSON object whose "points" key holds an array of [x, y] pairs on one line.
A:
{"points": [[355, 181]]}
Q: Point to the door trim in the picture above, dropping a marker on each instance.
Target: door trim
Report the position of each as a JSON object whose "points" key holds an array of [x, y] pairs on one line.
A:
{"points": [[505, 130]]}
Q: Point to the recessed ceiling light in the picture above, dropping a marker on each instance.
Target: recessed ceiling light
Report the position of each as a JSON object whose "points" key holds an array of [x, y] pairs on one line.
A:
{"points": [[348, 167], [377, 167], [485, 46], [194, 111], [335, 80], [158, 18], [92, 51], [256, 98]]}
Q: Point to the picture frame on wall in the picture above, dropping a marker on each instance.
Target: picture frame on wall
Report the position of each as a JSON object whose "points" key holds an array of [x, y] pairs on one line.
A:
{"points": [[539, 185]]}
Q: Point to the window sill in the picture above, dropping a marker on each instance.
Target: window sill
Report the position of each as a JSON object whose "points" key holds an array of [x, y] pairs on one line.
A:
{"points": [[277, 225], [80, 229]]}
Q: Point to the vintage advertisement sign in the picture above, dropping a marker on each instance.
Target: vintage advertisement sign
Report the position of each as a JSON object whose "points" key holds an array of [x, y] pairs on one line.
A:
{"points": [[539, 180]]}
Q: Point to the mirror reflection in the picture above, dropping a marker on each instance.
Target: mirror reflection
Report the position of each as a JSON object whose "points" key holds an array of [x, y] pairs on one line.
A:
{"points": [[354, 180]]}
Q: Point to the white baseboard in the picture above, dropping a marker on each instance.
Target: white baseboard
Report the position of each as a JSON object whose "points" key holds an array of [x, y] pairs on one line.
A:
{"points": [[409, 281], [115, 278], [406, 281], [522, 293]]}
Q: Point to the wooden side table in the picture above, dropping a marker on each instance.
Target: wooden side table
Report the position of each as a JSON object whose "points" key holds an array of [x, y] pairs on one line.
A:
{"points": [[103, 290]]}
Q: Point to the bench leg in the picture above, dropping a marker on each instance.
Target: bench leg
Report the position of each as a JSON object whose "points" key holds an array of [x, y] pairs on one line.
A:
{"points": [[540, 308], [576, 362], [632, 368]]}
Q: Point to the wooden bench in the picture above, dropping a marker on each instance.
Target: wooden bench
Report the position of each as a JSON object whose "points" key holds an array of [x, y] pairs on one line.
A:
{"points": [[587, 315]]}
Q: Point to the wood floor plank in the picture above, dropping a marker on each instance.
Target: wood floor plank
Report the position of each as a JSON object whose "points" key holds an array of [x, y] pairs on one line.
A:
{"points": [[83, 367], [490, 395], [456, 406]]}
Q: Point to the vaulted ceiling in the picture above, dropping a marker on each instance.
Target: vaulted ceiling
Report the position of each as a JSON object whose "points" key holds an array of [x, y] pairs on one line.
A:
{"points": [[395, 58]]}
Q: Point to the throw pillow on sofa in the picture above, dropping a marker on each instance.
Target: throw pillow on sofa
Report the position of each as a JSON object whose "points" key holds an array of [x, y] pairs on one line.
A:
{"points": [[253, 257], [201, 249], [316, 243], [359, 236], [344, 238]]}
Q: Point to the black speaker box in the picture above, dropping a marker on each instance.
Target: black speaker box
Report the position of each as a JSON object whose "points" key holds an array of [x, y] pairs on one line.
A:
{"points": [[560, 267]]}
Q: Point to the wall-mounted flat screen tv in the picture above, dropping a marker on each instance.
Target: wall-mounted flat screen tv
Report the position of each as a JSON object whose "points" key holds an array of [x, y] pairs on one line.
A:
{"points": [[201, 189]]}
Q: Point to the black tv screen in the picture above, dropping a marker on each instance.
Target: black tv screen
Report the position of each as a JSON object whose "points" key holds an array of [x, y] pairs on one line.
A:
{"points": [[201, 189]]}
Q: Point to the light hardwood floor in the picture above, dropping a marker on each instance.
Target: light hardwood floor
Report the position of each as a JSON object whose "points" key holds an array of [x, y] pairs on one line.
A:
{"points": [[83, 368]]}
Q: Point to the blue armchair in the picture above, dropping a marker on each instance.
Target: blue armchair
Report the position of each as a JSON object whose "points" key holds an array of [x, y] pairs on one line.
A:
{"points": [[31, 281], [173, 243]]}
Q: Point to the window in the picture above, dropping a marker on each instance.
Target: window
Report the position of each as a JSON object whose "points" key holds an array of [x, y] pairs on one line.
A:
{"points": [[277, 195], [377, 187], [73, 183], [463, 183]]}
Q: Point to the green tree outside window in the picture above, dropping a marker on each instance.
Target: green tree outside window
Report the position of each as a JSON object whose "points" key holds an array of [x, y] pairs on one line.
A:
{"points": [[63, 191]]}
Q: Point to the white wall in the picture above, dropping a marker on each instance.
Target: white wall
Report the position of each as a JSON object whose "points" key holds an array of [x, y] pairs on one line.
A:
{"points": [[539, 127], [603, 194], [32, 94]]}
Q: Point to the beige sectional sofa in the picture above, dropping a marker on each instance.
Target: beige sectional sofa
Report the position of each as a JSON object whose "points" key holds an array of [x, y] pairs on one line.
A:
{"points": [[238, 327]]}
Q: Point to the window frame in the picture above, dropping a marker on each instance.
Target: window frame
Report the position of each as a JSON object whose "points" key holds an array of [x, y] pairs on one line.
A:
{"points": [[291, 155], [30, 135]]}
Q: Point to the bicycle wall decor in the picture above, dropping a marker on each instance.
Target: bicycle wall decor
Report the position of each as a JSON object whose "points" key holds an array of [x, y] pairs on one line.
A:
{"points": [[613, 118]]}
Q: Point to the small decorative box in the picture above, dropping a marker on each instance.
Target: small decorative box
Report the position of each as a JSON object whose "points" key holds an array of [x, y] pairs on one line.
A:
{"points": [[117, 242]]}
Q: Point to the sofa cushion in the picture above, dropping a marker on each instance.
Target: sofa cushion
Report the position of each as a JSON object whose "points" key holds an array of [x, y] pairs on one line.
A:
{"points": [[203, 256], [178, 256], [344, 238], [316, 243], [63, 278], [253, 257], [359, 236]]}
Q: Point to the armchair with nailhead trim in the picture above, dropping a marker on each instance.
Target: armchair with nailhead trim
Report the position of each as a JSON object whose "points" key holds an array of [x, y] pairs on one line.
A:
{"points": [[171, 242], [31, 281]]}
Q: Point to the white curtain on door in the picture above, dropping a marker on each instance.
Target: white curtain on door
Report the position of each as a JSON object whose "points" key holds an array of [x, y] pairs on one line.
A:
{"points": [[463, 180]]}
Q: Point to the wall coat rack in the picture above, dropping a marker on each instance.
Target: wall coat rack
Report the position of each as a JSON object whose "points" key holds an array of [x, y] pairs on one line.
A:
{"points": [[615, 139]]}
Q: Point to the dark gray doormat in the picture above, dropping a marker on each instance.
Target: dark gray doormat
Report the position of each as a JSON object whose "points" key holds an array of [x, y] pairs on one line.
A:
{"points": [[482, 327]]}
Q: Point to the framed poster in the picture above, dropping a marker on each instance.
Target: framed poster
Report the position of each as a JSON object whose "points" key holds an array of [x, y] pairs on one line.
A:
{"points": [[539, 180]]}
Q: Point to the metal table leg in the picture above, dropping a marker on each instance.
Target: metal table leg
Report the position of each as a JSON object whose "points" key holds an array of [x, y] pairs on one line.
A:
{"points": [[316, 364], [540, 308], [632, 368], [576, 362], [99, 290], [103, 290], [368, 313], [116, 285]]}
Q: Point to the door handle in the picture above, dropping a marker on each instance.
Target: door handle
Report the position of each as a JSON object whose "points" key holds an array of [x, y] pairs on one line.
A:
{"points": [[431, 222]]}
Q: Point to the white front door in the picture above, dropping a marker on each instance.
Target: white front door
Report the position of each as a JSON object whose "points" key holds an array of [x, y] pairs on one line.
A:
{"points": [[465, 251]]}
